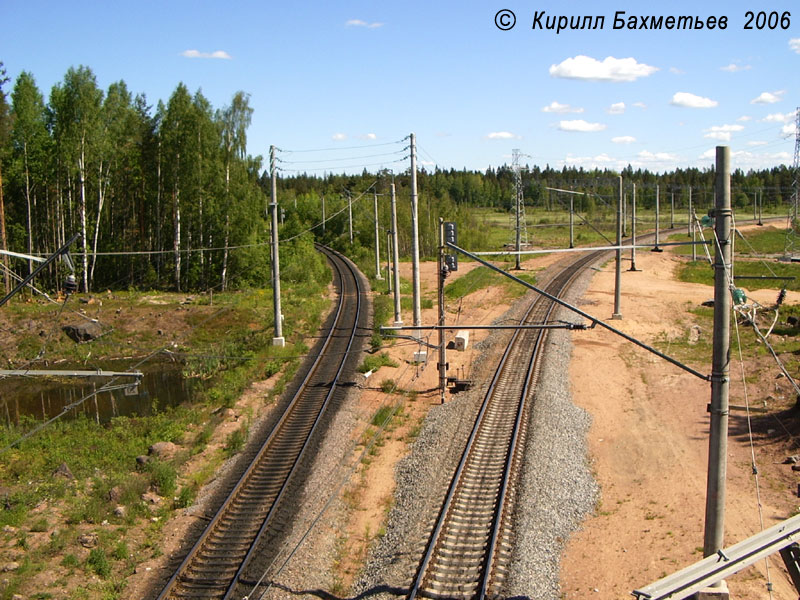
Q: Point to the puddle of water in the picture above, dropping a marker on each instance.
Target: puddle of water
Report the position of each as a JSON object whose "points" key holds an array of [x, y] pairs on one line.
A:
{"points": [[42, 398]]}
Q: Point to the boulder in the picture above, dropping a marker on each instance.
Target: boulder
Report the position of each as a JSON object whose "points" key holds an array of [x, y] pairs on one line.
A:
{"points": [[115, 494], [163, 450], [83, 332], [88, 540]]}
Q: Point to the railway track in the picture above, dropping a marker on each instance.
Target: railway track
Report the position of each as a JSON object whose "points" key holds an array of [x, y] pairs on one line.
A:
{"points": [[215, 564], [469, 546]]}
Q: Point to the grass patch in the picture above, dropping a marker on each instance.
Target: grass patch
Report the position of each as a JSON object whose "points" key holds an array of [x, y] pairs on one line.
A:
{"points": [[374, 362], [482, 277], [379, 419]]}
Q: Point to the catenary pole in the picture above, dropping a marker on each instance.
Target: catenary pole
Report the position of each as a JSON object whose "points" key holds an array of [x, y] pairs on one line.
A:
{"points": [[276, 267], [618, 262], [720, 362], [417, 320], [442, 273], [323, 214], [658, 221], [398, 319], [633, 230], [672, 210], [389, 278], [350, 214], [571, 223], [377, 238]]}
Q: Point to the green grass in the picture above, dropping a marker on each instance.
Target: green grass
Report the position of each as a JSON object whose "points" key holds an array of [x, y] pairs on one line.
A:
{"points": [[380, 417], [483, 277], [376, 361]]}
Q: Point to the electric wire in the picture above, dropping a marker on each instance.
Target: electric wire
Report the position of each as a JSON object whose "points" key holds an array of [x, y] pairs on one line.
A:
{"points": [[338, 148], [345, 158], [334, 215], [343, 167]]}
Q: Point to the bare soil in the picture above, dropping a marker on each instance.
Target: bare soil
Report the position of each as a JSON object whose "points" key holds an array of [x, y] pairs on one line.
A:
{"points": [[649, 443]]}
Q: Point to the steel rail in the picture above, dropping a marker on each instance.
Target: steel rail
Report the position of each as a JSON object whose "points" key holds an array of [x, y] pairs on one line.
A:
{"points": [[208, 589], [557, 285]]}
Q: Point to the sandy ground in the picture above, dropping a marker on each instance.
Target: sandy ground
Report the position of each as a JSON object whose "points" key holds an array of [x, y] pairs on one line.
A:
{"points": [[649, 445]]}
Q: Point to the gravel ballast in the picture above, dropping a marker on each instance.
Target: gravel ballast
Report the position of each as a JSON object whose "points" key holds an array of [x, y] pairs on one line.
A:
{"points": [[556, 491]]}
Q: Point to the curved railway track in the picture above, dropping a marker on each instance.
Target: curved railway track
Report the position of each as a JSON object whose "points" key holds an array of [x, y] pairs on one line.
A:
{"points": [[468, 549], [214, 565]]}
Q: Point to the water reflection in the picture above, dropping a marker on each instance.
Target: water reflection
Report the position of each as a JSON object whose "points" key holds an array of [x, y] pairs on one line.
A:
{"points": [[163, 385]]}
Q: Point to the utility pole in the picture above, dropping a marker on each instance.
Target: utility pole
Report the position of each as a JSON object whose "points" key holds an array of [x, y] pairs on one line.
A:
{"points": [[618, 267], [443, 272], [377, 242], [276, 267], [760, 205], [398, 319], [690, 227], [658, 223], [755, 206], [633, 230], [415, 236], [323, 214], [720, 362], [694, 235]]}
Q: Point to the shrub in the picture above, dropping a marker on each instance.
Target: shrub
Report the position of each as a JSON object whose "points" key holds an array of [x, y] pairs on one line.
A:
{"points": [[98, 562]]}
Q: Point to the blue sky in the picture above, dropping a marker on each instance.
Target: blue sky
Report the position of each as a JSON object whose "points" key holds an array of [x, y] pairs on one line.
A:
{"points": [[347, 74]]}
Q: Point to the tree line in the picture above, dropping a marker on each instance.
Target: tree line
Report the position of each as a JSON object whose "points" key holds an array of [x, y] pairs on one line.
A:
{"points": [[166, 182], [167, 197]]}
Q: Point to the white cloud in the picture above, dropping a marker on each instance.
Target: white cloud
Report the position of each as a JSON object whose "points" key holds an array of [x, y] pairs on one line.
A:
{"points": [[602, 161], [580, 125], [557, 107], [746, 160], [657, 157], [768, 97], [734, 68], [676, 71], [623, 139], [616, 109], [503, 135], [610, 69], [722, 132], [794, 44], [778, 118], [197, 54], [641, 105], [339, 137], [368, 136], [360, 23], [691, 101], [788, 129], [744, 119], [756, 143]]}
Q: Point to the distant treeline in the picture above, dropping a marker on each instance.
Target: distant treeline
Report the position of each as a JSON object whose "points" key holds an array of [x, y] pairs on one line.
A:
{"points": [[166, 196]]}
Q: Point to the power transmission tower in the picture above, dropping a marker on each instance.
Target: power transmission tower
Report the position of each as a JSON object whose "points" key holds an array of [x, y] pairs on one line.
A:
{"points": [[796, 163], [520, 224], [791, 230]]}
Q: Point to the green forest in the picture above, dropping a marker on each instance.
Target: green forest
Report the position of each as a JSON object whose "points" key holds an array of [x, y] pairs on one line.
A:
{"points": [[165, 196]]}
